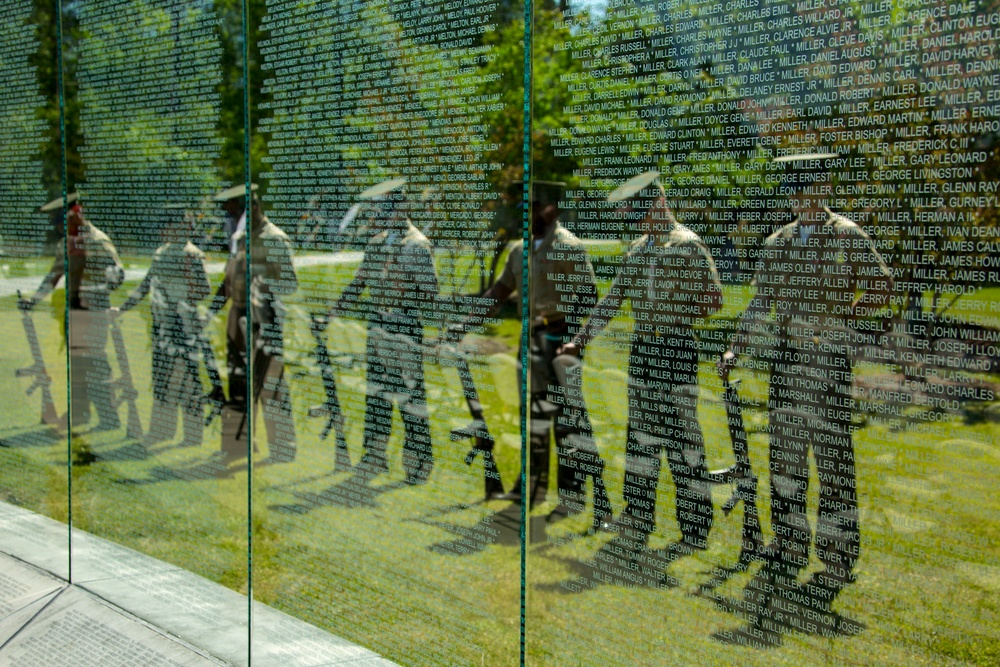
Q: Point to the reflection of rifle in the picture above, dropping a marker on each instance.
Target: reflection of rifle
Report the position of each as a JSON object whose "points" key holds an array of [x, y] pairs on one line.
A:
{"points": [[746, 488], [331, 408], [37, 369], [122, 389], [216, 398], [477, 430]]}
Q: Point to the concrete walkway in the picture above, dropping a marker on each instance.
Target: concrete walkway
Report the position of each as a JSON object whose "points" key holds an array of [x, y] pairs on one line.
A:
{"points": [[126, 609]]}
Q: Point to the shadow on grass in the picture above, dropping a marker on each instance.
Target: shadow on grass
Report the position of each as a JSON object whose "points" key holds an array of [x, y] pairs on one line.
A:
{"points": [[355, 491], [619, 562], [194, 471], [503, 528], [38, 436], [771, 610]]}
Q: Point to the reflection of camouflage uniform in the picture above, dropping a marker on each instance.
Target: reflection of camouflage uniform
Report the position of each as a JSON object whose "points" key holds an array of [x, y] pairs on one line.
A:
{"points": [[273, 276], [398, 270], [94, 272], [811, 283], [178, 280], [563, 288], [671, 281]]}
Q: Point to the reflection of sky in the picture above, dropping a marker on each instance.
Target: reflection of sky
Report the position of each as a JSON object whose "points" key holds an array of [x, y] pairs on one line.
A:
{"points": [[596, 7]]}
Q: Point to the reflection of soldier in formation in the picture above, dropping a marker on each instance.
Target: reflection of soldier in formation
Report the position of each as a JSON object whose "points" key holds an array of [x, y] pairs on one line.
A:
{"points": [[670, 278], [819, 275], [177, 280], [94, 272], [563, 289], [272, 276], [398, 272]]}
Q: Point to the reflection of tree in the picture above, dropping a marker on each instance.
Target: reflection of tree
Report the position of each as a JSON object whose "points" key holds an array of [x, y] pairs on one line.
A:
{"points": [[21, 137], [148, 112], [920, 155]]}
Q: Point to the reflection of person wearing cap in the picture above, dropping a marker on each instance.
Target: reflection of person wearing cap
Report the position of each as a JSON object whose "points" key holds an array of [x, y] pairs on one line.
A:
{"points": [[94, 272], [234, 204], [819, 275], [177, 280], [563, 288], [670, 278], [398, 272], [272, 277]]}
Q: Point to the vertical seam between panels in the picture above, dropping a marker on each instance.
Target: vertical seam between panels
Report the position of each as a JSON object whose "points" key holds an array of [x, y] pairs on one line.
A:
{"points": [[525, 301]]}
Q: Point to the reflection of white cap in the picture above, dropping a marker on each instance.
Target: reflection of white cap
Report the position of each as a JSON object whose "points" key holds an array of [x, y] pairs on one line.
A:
{"points": [[57, 204], [234, 192], [633, 186], [804, 157], [383, 188]]}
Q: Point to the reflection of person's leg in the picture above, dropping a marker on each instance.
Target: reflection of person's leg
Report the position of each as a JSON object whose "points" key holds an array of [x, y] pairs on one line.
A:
{"points": [[163, 416], [378, 411], [642, 461], [98, 373], [191, 399], [789, 465], [418, 453], [277, 407], [686, 457], [539, 439], [838, 538], [575, 446], [78, 369]]}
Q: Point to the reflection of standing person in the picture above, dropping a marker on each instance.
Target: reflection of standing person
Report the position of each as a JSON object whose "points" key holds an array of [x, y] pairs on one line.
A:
{"points": [[177, 280], [94, 272], [272, 276], [670, 279], [563, 288], [819, 275], [398, 272]]}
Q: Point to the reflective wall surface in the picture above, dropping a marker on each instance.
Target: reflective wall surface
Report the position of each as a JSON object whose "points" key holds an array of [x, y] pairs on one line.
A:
{"points": [[483, 333]]}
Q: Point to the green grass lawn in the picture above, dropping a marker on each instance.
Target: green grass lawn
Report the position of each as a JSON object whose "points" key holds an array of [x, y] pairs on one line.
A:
{"points": [[431, 575]]}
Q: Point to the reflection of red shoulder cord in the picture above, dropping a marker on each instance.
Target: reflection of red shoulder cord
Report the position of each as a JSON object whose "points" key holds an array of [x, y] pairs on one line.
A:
{"points": [[75, 240]]}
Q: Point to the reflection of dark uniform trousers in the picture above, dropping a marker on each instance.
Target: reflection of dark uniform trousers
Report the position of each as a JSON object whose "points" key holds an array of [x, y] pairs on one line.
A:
{"points": [[173, 349], [395, 373], [555, 408], [270, 385], [810, 403], [90, 372], [663, 397]]}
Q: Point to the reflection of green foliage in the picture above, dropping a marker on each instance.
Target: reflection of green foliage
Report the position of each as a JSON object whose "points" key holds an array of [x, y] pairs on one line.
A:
{"points": [[148, 73]]}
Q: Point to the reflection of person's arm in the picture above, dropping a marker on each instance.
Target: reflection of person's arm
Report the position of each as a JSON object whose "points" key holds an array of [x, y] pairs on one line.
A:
{"points": [[138, 294], [708, 297], [114, 272], [199, 284], [283, 279], [221, 294], [603, 312], [586, 290], [877, 285], [488, 304], [352, 293], [754, 319], [50, 280]]}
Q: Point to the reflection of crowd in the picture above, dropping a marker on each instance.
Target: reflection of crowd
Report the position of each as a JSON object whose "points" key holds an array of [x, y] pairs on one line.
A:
{"points": [[816, 279]]}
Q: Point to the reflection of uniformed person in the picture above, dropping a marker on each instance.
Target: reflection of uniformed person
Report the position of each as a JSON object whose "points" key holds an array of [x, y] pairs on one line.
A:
{"points": [[563, 288], [272, 277], [670, 278], [398, 272], [94, 272], [810, 275], [177, 280]]}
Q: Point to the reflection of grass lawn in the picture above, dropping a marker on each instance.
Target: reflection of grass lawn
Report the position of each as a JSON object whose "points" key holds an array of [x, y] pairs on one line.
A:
{"points": [[409, 571]]}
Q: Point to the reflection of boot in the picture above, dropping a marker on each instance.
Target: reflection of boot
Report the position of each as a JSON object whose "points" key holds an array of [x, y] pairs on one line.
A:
{"points": [[162, 423], [193, 429]]}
